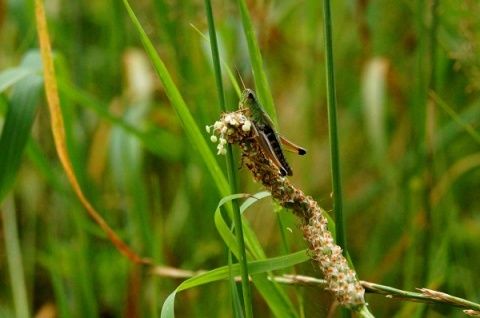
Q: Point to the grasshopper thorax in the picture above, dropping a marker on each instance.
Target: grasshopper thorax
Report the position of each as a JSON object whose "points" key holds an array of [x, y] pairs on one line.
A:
{"points": [[248, 98]]}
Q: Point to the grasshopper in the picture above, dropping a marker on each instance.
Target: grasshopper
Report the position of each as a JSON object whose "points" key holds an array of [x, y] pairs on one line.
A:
{"points": [[265, 133]]}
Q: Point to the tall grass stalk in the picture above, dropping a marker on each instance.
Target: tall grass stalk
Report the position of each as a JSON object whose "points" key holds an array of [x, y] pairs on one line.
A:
{"points": [[247, 296], [333, 135], [333, 130]]}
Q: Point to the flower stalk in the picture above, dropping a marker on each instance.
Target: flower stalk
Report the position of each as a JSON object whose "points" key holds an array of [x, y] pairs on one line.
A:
{"points": [[235, 128]]}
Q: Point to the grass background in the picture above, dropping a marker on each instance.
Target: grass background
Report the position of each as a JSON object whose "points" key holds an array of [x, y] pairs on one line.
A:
{"points": [[410, 170]]}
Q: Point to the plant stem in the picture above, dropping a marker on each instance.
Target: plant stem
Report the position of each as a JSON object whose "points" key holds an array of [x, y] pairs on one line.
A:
{"points": [[333, 131], [333, 135], [242, 257]]}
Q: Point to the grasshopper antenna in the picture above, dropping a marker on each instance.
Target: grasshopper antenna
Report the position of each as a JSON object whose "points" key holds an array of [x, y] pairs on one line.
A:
{"points": [[240, 77]]}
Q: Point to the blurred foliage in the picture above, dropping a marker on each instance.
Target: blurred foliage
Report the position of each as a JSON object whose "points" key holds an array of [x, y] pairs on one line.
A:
{"points": [[410, 172]]}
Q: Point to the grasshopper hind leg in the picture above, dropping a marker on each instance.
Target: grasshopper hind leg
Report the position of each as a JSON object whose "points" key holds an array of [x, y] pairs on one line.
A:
{"points": [[266, 144], [267, 150], [291, 147]]}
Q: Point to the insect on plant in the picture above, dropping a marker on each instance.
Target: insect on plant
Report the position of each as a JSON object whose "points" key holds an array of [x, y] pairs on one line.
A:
{"points": [[269, 139]]}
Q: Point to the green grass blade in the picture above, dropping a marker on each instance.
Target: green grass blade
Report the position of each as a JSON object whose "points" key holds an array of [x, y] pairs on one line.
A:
{"points": [[18, 123], [14, 257], [222, 226], [271, 292], [333, 136], [254, 246], [333, 130], [256, 267], [11, 76], [223, 229], [274, 296], [194, 134], [261, 82]]}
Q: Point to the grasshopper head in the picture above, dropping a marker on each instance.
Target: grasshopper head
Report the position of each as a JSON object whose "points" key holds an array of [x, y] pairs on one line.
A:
{"points": [[248, 98]]}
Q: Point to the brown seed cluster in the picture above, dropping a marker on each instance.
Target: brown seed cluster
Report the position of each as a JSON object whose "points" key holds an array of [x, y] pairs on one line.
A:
{"points": [[235, 128]]}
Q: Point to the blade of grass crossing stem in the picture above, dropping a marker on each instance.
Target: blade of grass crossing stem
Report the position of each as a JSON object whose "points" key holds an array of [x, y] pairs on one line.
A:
{"points": [[242, 255], [224, 230], [255, 268], [186, 119], [254, 246], [273, 295], [58, 131], [252, 243], [261, 82], [18, 123]]}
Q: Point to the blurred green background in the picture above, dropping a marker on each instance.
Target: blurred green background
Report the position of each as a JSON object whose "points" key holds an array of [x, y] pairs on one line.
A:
{"points": [[411, 172]]}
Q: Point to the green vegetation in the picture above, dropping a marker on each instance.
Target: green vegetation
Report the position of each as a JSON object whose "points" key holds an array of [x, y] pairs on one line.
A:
{"points": [[136, 90]]}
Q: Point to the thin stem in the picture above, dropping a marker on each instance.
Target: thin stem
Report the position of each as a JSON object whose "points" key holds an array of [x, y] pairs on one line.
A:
{"points": [[430, 124], [247, 297], [333, 130], [333, 135]]}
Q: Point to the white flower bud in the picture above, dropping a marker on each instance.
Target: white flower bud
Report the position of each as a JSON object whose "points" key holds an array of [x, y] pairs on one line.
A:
{"points": [[247, 125], [217, 125]]}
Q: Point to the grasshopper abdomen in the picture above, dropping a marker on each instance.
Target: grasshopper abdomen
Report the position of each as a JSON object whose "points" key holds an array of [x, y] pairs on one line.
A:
{"points": [[275, 146]]}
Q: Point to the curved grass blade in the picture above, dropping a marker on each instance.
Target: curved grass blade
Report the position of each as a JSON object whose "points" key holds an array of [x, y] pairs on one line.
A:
{"points": [[194, 134], [221, 273], [58, 131], [272, 294], [19, 118], [253, 245], [11, 76]]}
